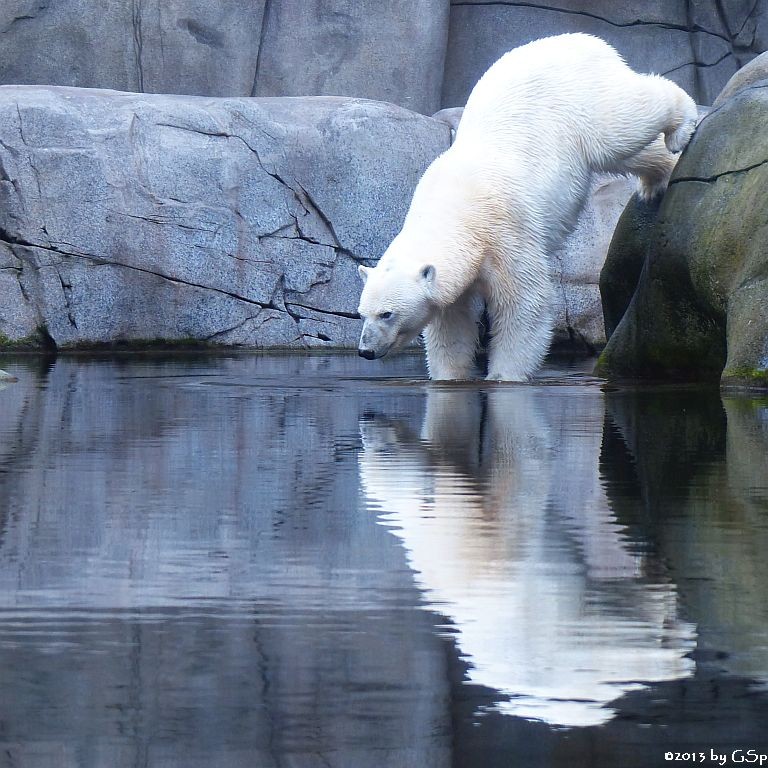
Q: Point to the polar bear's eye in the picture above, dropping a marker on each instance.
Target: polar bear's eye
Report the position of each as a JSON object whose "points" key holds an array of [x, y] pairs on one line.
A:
{"points": [[385, 315]]}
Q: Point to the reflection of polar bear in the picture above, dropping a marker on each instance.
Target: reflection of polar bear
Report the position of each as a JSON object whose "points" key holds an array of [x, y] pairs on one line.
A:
{"points": [[551, 604], [487, 214]]}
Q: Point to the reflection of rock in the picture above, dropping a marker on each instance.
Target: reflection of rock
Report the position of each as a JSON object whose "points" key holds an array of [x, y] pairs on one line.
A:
{"points": [[700, 310], [695, 478], [180, 544], [500, 508]]}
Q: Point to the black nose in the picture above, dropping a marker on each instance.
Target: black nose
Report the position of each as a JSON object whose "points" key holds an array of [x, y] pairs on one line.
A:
{"points": [[368, 354]]}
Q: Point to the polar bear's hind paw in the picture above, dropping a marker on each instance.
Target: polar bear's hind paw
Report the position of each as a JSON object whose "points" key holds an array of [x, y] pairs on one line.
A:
{"points": [[678, 139]]}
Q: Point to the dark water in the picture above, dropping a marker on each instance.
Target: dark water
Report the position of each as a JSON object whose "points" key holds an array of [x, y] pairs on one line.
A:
{"points": [[319, 561]]}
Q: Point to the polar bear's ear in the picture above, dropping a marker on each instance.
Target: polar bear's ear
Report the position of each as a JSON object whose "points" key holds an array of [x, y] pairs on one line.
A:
{"points": [[363, 272], [428, 274]]}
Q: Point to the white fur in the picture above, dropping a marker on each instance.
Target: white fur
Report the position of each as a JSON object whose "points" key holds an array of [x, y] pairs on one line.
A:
{"points": [[501, 509], [488, 213]]}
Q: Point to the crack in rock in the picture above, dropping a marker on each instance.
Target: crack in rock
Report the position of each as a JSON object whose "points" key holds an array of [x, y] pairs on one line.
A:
{"points": [[237, 327], [66, 290], [319, 336], [333, 312], [101, 262], [746, 19], [715, 177], [28, 16], [265, 14], [165, 221], [225, 135], [337, 246], [276, 303], [700, 64], [302, 195], [32, 165], [138, 41], [588, 14]]}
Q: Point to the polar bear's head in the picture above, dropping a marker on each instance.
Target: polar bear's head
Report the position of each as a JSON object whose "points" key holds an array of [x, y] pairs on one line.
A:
{"points": [[396, 305]]}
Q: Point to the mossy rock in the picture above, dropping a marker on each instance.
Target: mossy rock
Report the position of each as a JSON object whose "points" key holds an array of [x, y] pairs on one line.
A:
{"points": [[700, 310], [624, 262]]}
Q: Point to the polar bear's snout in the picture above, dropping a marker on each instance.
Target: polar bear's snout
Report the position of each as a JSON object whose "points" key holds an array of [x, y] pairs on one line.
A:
{"points": [[373, 341]]}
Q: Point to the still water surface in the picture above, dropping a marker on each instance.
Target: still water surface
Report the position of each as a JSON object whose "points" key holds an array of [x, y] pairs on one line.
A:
{"points": [[318, 561]]}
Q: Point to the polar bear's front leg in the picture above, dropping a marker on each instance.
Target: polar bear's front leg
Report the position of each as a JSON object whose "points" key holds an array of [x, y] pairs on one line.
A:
{"points": [[451, 341], [520, 335]]}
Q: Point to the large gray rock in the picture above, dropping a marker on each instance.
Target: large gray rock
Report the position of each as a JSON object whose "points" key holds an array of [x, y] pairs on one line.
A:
{"points": [[577, 265], [750, 74], [403, 51], [390, 51], [170, 46], [694, 44], [126, 218], [700, 310]]}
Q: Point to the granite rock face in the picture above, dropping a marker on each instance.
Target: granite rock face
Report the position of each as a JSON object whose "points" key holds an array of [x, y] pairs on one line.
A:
{"points": [[155, 46], [404, 51], [126, 218], [698, 45], [700, 310], [390, 51], [131, 218]]}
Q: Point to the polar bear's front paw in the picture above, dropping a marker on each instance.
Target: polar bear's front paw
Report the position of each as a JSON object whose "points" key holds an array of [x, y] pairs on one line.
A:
{"points": [[501, 376], [444, 373]]}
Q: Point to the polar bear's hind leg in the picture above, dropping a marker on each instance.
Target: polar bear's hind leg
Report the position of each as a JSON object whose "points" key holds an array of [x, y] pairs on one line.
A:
{"points": [[679, 132], [653, 166]]}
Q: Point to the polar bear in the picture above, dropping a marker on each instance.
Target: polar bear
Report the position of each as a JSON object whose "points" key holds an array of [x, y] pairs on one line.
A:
{"points": [[487, 214]]}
